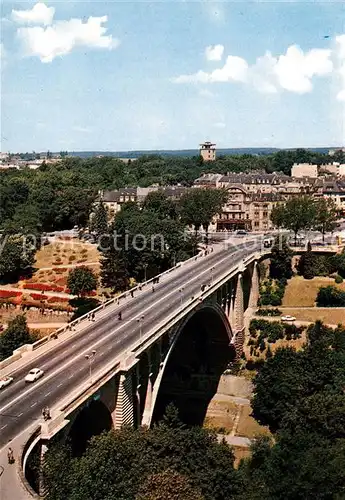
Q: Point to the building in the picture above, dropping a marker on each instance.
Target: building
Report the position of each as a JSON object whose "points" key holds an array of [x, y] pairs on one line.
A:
{"points": [[208, 151], [246, 210], [208, 181], [333, 189], [113, 200], [304, 170]]}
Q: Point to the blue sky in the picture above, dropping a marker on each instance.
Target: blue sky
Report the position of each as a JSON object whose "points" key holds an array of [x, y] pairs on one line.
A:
{"points": [[168, 75]]}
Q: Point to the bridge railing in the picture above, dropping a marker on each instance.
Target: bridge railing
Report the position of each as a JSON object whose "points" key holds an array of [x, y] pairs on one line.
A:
{"points": [[71, 325]]}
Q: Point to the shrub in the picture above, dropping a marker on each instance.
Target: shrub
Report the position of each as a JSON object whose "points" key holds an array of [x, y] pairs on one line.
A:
{"points": [[338, 279], [268, 312], [330, 296]]}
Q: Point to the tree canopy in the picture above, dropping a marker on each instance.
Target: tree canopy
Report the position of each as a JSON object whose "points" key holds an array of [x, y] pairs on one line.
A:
{"points": [[16, 334], [81, 281]]}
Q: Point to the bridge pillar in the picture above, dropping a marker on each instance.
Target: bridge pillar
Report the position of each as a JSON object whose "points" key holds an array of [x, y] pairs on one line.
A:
{"points": [[42, 491], [254, 289], [238, 317], [148, 400], [124, 410]]}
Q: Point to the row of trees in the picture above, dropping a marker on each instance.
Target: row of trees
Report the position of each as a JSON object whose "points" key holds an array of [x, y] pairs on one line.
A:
{"points": [[299, 395], [306, 213]]}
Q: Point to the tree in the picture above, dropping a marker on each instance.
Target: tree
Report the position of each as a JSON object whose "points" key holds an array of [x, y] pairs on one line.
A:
{"points": [[306, 264], [117, 464], [100, 220], [168, 485], [295, 215], [81, 280], [326, 216], [114, 272], [16, 256], [281, 255], [16, 334], [160, 204], [198, 207]]}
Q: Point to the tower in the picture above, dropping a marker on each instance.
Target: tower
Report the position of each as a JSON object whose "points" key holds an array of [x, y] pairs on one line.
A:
{"points": [[208, 151]]}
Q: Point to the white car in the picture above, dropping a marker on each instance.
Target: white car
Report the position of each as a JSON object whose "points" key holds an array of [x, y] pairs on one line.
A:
{"points": [[5, 381], [288, 318], [34, 375]]}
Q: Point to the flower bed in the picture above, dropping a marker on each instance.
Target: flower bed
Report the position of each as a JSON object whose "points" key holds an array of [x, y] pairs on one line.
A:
{"points": [[5, 294], [58, 299], [38, 296], [44, 287]]}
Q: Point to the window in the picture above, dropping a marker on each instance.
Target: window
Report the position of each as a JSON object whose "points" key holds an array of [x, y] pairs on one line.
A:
{"points": [[265, 215], [256, 213], [256, 224]]}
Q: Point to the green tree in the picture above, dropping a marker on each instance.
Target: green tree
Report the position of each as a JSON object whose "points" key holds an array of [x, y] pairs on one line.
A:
{"points": [[326, 216], [306, 265], [295, 215], [198, 207], [160, 204], [99, 223], [280, 261], [168, 485], [81, 281], [17, 255], [16, 334], [118, 463]]}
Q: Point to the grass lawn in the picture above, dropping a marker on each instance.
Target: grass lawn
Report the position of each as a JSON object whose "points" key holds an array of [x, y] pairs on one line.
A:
{"points": [[63, 252], [329, 316], [302, 293], [248, 426]]}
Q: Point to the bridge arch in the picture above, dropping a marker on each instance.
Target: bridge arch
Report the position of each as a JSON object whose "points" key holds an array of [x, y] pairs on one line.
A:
{"points": [[93, 419], [199, 353]]}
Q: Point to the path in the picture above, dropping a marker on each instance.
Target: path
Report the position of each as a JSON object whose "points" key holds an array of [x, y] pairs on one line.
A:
{"points": [[68, 266], [235, 440]]}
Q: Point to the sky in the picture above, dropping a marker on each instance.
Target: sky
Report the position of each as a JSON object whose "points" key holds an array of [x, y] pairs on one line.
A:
{"points": [[119, 76]]}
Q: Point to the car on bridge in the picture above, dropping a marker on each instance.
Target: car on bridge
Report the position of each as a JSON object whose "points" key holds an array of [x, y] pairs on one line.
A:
{"points": [[5, 381], [34, 375]]}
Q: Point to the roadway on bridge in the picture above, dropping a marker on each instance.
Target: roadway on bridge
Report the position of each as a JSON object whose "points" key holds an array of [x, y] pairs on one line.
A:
{"points": [[65, 366]]}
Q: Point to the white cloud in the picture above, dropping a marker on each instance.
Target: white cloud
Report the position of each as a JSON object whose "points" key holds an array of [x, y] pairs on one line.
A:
{"points": [[234, 69], [63, 36], [214, 52], [295, 70], [39, 14], [292, 71]]}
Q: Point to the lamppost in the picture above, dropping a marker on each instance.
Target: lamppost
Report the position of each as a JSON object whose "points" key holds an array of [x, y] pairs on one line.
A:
{"points": [[90, 358], [181, 294], [145, 267], [140, 320]]}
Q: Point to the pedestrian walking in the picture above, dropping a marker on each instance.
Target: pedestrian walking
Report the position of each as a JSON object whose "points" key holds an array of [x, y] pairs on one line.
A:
{"points": [[10, 456]]}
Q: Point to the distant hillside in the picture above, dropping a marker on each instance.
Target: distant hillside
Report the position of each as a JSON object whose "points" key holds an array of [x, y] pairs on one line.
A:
{"points": [[182, 152]]}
